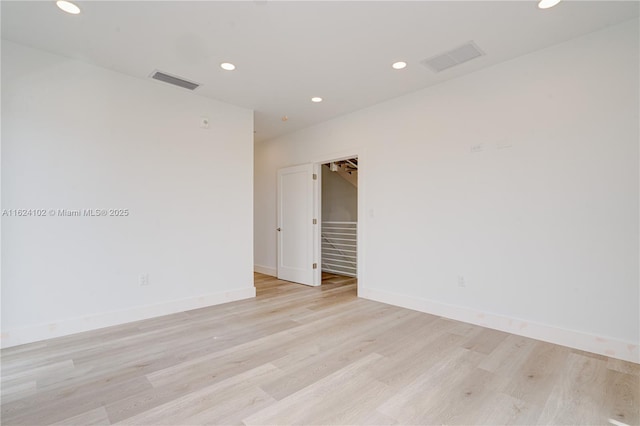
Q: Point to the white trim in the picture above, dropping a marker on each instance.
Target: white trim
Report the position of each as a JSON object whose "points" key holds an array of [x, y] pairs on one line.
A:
{"points": [[19, 336], [317, 214], [265, 270], [614, 348]]}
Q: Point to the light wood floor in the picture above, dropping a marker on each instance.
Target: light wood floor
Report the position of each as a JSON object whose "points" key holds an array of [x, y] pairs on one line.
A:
{"points": [[302, 355]]}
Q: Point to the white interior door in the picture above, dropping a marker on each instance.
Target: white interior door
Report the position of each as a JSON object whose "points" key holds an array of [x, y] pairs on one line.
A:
{"points": [[296, 229]]}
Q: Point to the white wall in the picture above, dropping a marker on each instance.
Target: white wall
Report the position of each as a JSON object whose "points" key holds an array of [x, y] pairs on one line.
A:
{"points": [[544, 231], [76, 136], [339, 198]]}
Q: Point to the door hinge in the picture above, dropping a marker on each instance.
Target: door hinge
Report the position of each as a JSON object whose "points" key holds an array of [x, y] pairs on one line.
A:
{"points": [[315, 176], [315, 266], [315, 221]]}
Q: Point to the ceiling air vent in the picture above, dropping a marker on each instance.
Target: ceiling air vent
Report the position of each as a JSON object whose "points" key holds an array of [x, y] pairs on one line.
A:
{"points": [[176, 81], [454, 57]]}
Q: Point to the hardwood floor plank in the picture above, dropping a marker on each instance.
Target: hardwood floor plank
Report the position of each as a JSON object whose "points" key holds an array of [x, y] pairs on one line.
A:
{"points": [[182, 382], [623, 366], [578, 392], [336, 391], [468, 398], [376, 418], [51, 407], [533, 381], [501, 409], [230, 410], [399, 369], [509, 357], [622, 397], [27, 375], [426, 399], [226, 396], [310, 355], [95, 417], [16, 391], [486, 341]]}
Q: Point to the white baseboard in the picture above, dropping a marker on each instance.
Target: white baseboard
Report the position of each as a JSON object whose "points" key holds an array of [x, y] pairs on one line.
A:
{"points": [[266, 270], [627, 351], [19, 336]]}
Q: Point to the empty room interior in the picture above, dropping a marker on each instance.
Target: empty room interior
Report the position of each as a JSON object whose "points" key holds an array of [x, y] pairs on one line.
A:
{"points": [[320, 212]]}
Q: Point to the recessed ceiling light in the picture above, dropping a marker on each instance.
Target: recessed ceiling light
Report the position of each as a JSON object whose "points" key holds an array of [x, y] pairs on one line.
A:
{"points": [[546, 4], [227, 66], [285, 118], [68, 7], [316, 99], [400, 65]]}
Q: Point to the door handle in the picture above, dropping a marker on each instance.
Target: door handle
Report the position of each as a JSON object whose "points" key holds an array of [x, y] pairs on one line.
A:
{"points": [[278, 229]]}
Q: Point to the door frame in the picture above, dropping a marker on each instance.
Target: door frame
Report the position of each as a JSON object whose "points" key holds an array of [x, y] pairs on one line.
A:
{"points": [[317, 163]]}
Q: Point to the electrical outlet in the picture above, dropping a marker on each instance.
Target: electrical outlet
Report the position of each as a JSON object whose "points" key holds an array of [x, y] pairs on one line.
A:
{"points": [[461, 281], [143, 279]]}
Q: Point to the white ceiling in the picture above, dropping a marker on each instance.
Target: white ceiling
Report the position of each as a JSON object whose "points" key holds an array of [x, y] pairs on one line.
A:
{"points": [[287, 52]]}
